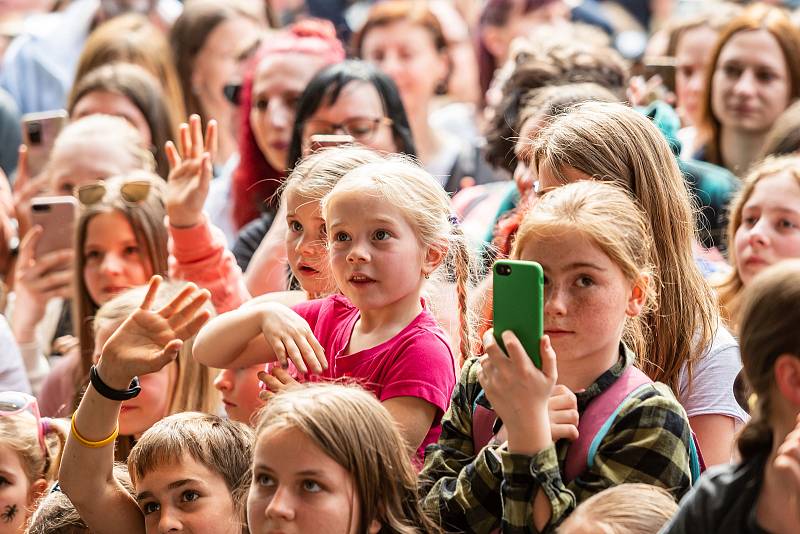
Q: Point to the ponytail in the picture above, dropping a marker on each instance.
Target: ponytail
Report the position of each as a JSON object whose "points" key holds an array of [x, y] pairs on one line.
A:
{"points": [[462, 261]]}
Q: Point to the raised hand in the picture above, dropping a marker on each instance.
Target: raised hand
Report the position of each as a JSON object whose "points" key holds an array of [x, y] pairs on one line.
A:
{"points": [[190, 172], [291, 338], [148, 340]]}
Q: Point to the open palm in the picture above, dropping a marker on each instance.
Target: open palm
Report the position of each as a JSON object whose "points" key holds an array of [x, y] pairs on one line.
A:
{"points": [[147, 340]]}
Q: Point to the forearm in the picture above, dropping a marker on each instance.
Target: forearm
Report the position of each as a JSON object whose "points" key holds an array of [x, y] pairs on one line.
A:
{"points": [[86, 474], [233, 340], [268, 268]]}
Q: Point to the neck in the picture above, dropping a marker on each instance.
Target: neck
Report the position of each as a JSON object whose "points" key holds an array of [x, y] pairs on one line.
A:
{"points": [[426, 140], [580, 373], [391, 318], [739, 149], [777, 508]]}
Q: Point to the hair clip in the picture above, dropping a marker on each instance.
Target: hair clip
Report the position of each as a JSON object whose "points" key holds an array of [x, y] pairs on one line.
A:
{"points": [[453, 218]]}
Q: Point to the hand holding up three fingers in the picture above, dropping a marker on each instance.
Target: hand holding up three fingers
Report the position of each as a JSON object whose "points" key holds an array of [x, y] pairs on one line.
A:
{"points": [[149, 339], [190, 172]]}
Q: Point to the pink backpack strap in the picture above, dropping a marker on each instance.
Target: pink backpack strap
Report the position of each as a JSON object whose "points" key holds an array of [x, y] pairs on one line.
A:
{"points": [[600, 409], [482, 427]]}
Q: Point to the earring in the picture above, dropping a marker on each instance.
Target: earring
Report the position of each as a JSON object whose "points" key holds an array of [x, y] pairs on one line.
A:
{"points": [[427, 276]]}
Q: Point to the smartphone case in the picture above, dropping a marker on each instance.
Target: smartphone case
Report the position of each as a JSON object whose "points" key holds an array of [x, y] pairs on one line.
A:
{"points": [[518, 304], [56, 216]]}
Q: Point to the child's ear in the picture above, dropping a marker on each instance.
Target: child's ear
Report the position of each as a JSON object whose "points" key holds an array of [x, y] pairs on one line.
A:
{"points": [[787, 377], [434, 256], [638, 295], [495, 41], [38, 489]]}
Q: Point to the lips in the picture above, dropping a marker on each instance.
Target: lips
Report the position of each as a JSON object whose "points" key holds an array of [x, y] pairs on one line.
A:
{"points": [[557, 332], [228, 404], [360, 279], [755, 261]]}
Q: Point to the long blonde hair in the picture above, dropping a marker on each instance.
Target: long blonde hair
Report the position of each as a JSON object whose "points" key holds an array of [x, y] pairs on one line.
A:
{"points": [[730, 289], [426, 206], [194, 390], [20, 434], [613, 143], [357, 432], [606, 215]]}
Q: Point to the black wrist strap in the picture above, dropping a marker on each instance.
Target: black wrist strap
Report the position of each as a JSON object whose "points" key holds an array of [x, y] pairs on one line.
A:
{"points": [[110, 393]]}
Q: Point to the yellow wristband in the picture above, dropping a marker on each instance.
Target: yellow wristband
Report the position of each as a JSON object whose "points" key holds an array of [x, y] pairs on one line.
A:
{"points": [[93, 444]]}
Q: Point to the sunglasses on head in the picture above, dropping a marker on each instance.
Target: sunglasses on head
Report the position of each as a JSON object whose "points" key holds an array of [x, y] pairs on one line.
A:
{"points": [[132, 192], [14, 403]]}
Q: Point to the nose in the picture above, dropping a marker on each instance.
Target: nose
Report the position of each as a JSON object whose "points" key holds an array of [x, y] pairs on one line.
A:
{"points": [[280, 506], [169, 520], [224, 380], [391, 64], [696, 81], [757, 237], [308, 245], [746, 84], [555, 302], [112, 264], [279, 114], [358, 253]]}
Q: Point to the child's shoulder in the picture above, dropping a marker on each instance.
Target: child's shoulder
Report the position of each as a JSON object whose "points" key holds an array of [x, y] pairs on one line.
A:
{"points": [[653, 405]]}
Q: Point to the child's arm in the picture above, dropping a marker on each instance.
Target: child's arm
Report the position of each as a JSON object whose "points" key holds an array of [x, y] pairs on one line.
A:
{"points": [[414, 416], [257, 334], [267, 271], [143, 344]]}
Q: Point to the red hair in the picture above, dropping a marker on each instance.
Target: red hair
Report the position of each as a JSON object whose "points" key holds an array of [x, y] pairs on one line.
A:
{"points": [[255, 180]]}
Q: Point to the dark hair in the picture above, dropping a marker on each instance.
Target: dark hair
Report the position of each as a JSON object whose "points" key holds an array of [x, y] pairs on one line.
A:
{"points": [[143, 91], [324, 89], [768, 329], [558, 65]]}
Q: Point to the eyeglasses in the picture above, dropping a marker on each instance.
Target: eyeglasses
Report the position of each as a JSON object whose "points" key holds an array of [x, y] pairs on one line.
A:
{"points": [[360, 128], [132, 192], [14, 402]]}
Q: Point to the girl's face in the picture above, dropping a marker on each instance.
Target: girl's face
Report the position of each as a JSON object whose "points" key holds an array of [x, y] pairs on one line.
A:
{"points": [[691, 57], [750, 86], [297, 488], [221, 61], [408, 54], [277, 84], [770, 227], [587, 297], [152, 403], [78, 162], [112, 257], [187, 496], [107, 103], [360, 106], [240, 389], [17, 494], [375, 256], [305, 243]]}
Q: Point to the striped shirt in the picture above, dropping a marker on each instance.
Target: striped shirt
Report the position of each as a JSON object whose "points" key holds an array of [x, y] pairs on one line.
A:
{"points": [[481, 491]]}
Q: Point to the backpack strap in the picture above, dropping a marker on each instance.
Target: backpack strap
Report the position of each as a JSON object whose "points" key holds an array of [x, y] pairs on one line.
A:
{"points": [[483, 420], [596, 420]]}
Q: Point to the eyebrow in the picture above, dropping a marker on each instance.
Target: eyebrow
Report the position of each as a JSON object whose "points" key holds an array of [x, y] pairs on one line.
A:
{"points": [[170, 486], [584, 265], [305, 472]]}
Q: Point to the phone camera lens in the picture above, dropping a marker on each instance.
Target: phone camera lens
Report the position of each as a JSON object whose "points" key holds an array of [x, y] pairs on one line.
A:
{"points": [[35, 133], [504, 270]]}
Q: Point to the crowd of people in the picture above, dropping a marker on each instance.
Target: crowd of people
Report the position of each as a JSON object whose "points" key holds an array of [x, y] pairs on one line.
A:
{"points": [[248, 249]]}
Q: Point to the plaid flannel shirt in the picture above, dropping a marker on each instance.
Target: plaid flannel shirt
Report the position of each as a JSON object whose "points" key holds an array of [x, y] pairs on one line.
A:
{"points": [[481, 491]]}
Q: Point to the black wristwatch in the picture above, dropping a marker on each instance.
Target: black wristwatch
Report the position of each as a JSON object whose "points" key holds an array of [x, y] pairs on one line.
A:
{"points": [[110, 393]]}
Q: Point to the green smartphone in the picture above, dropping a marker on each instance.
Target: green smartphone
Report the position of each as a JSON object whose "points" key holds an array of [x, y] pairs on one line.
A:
{"points": [[518, 304]]}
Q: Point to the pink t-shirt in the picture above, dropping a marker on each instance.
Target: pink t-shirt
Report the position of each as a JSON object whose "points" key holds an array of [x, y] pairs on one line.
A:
{"points": [[417, 362]]}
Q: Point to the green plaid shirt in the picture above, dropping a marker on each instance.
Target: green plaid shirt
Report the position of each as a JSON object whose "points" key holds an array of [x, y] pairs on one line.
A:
{"points": [[481, 491]]}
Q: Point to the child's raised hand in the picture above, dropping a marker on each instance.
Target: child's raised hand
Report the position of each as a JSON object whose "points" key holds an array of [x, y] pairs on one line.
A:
{"points": [[190, 172], [148, 340], [291, 338], [277, 380], [518, 391]]}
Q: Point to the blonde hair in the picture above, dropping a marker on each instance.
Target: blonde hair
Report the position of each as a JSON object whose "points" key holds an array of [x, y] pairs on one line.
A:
{"points": [[55, 513], [349, 425], [613, 143], [607, 216], [20, 434], [730, 289], [222, 445], [194, 390], [623, 509], [770, 316], [315, 175], [407, 186]]}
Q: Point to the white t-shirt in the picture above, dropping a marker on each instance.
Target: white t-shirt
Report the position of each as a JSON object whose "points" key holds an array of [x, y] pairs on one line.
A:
{"points": [[712, 380], [12, 369]]}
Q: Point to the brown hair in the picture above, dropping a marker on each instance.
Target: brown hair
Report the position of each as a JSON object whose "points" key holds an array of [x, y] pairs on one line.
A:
{"points": [[608, 216], [712, 14], [426, 206], [222, 445], [784, 136], [753, 18], [189, 33], [730, 289], [144, 92], [770, 316], [614, 143], [132, 38], [147, 221], [623, 509], [358, 433]]}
